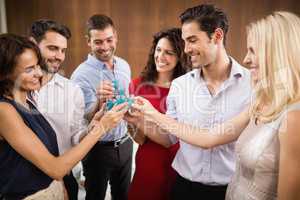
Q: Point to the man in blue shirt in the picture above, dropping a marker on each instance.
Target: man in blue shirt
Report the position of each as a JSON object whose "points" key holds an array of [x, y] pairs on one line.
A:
{"points": [[111, 158]]}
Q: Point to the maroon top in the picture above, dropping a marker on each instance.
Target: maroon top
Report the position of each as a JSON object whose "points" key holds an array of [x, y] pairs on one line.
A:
{"points": [[154, 175]]}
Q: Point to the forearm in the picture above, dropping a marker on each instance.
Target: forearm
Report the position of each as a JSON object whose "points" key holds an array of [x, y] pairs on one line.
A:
{"points": [[58, 167], [92, 111], [205, 138], [155, 133]]}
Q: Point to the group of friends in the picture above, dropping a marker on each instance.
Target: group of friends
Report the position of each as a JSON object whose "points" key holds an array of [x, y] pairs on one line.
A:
{"points": [[207, 127]]}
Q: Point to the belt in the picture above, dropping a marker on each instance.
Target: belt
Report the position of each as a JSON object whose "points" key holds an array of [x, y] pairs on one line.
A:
{"points": [[115, 143]]}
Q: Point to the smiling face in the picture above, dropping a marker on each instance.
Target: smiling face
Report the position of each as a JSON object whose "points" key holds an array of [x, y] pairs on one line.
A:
{"points": [[27, 74], [201, 48], [165, 57], [53, 49], [103, 43], [251, 60]]}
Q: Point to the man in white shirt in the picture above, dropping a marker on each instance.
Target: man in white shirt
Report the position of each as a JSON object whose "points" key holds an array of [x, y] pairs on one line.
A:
{"points": [[214, 92], [59, 99]]}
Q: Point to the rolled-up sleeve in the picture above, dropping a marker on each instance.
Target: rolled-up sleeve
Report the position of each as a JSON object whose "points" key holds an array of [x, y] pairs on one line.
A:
{"points": [[171, 108]]}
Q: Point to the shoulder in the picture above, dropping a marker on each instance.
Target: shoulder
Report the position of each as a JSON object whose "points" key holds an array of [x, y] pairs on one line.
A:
{"points": [[134, 85], [241, 69], [61, 78], [123, 63], [293, 115], [184, 78], [289, 134], [7, 110], [82, 70], [68, 83], [121, 60], [290, 120], [136, 81]]}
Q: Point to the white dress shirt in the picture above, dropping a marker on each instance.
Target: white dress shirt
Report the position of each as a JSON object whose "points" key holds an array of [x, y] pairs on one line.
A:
{"points": [[62, 103], [189, 101]]}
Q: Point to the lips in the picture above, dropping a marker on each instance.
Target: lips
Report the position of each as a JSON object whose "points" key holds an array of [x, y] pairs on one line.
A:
{"points": [[193, 58], [55, 63], [36, 81], [105, 53], [162, 64]]}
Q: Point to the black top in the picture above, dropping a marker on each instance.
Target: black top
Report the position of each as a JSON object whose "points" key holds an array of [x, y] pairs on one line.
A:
{"points": [[19, 177]]}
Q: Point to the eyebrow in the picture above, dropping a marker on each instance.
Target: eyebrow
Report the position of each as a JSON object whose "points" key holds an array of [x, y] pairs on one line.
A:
{"points": [[52, 45], [29, 67], [191, 37], [110, 37], [158, 47]]}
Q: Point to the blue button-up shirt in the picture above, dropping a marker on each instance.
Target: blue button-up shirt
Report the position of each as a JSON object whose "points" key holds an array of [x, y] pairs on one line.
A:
{"points": [[88, 76], [189, 101]]}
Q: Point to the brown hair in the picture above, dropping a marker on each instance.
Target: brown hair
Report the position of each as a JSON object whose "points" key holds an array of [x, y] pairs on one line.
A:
{"points": [[150, 74], [11, 47]]}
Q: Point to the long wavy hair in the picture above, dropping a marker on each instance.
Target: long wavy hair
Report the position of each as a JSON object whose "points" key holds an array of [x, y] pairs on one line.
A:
{"points": [[11, 47], [276, 40], [150, 74]]}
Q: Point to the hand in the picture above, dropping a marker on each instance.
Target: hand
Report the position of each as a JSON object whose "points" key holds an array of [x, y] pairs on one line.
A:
{"points": [[111, 118], [134, 117], [105, 91], [142, 105], [97, 116]]}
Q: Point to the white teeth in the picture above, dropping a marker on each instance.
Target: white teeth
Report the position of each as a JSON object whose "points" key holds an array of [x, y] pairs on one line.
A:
{"points": [[161, 64]]}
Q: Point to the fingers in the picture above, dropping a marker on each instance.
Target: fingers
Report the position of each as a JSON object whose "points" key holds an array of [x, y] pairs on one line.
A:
{"points": [[120, 107], [135, 113], [105, 90], [140, 100], [100, 112], [137, 107]]}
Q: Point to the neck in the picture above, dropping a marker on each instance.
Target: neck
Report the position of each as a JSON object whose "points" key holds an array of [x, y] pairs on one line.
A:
{"points": [[46, 77], [219, 70], [164, 79], [20, 96], [109, 64]]}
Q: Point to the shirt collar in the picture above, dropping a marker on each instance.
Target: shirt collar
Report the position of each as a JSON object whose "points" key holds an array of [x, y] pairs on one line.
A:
{"points": [[235, 72], [93, 61], [236, 69], [57, 80]]}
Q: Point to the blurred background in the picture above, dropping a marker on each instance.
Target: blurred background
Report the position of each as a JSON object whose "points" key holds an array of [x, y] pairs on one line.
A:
{"points": [[136, 22]]}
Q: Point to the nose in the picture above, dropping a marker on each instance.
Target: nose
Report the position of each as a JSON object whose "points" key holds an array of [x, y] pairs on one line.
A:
{"points": [[60, 55], [187, 48], [247, 59], [160, 54], [38, 71], [104, 46]]}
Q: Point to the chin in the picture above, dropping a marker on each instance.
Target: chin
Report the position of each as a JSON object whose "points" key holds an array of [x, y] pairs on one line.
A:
{"points": [[53, 70], [161, 70], [196, 66]]}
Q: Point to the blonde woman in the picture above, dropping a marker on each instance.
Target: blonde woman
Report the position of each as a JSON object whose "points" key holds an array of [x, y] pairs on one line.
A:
{"points": [[268, 149]]}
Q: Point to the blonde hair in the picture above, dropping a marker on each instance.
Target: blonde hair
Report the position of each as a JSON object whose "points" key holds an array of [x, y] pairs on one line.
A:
{"points": [[277, 45]]}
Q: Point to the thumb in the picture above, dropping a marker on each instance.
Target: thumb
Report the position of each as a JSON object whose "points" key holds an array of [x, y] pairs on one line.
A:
{"points": [[100, 113]]}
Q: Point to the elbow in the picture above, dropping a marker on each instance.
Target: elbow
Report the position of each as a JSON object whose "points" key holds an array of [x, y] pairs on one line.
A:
{"points": [[56, 172], [57, 175], [206, 145], [167, 145]]}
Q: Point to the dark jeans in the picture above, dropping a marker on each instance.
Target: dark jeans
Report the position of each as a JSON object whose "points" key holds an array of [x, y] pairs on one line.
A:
{"points": [[108, 163], [185, 189], [71, 186]]}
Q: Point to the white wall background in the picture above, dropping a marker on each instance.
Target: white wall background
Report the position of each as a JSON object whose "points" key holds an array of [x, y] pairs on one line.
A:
{"points": [[3, 24]]}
